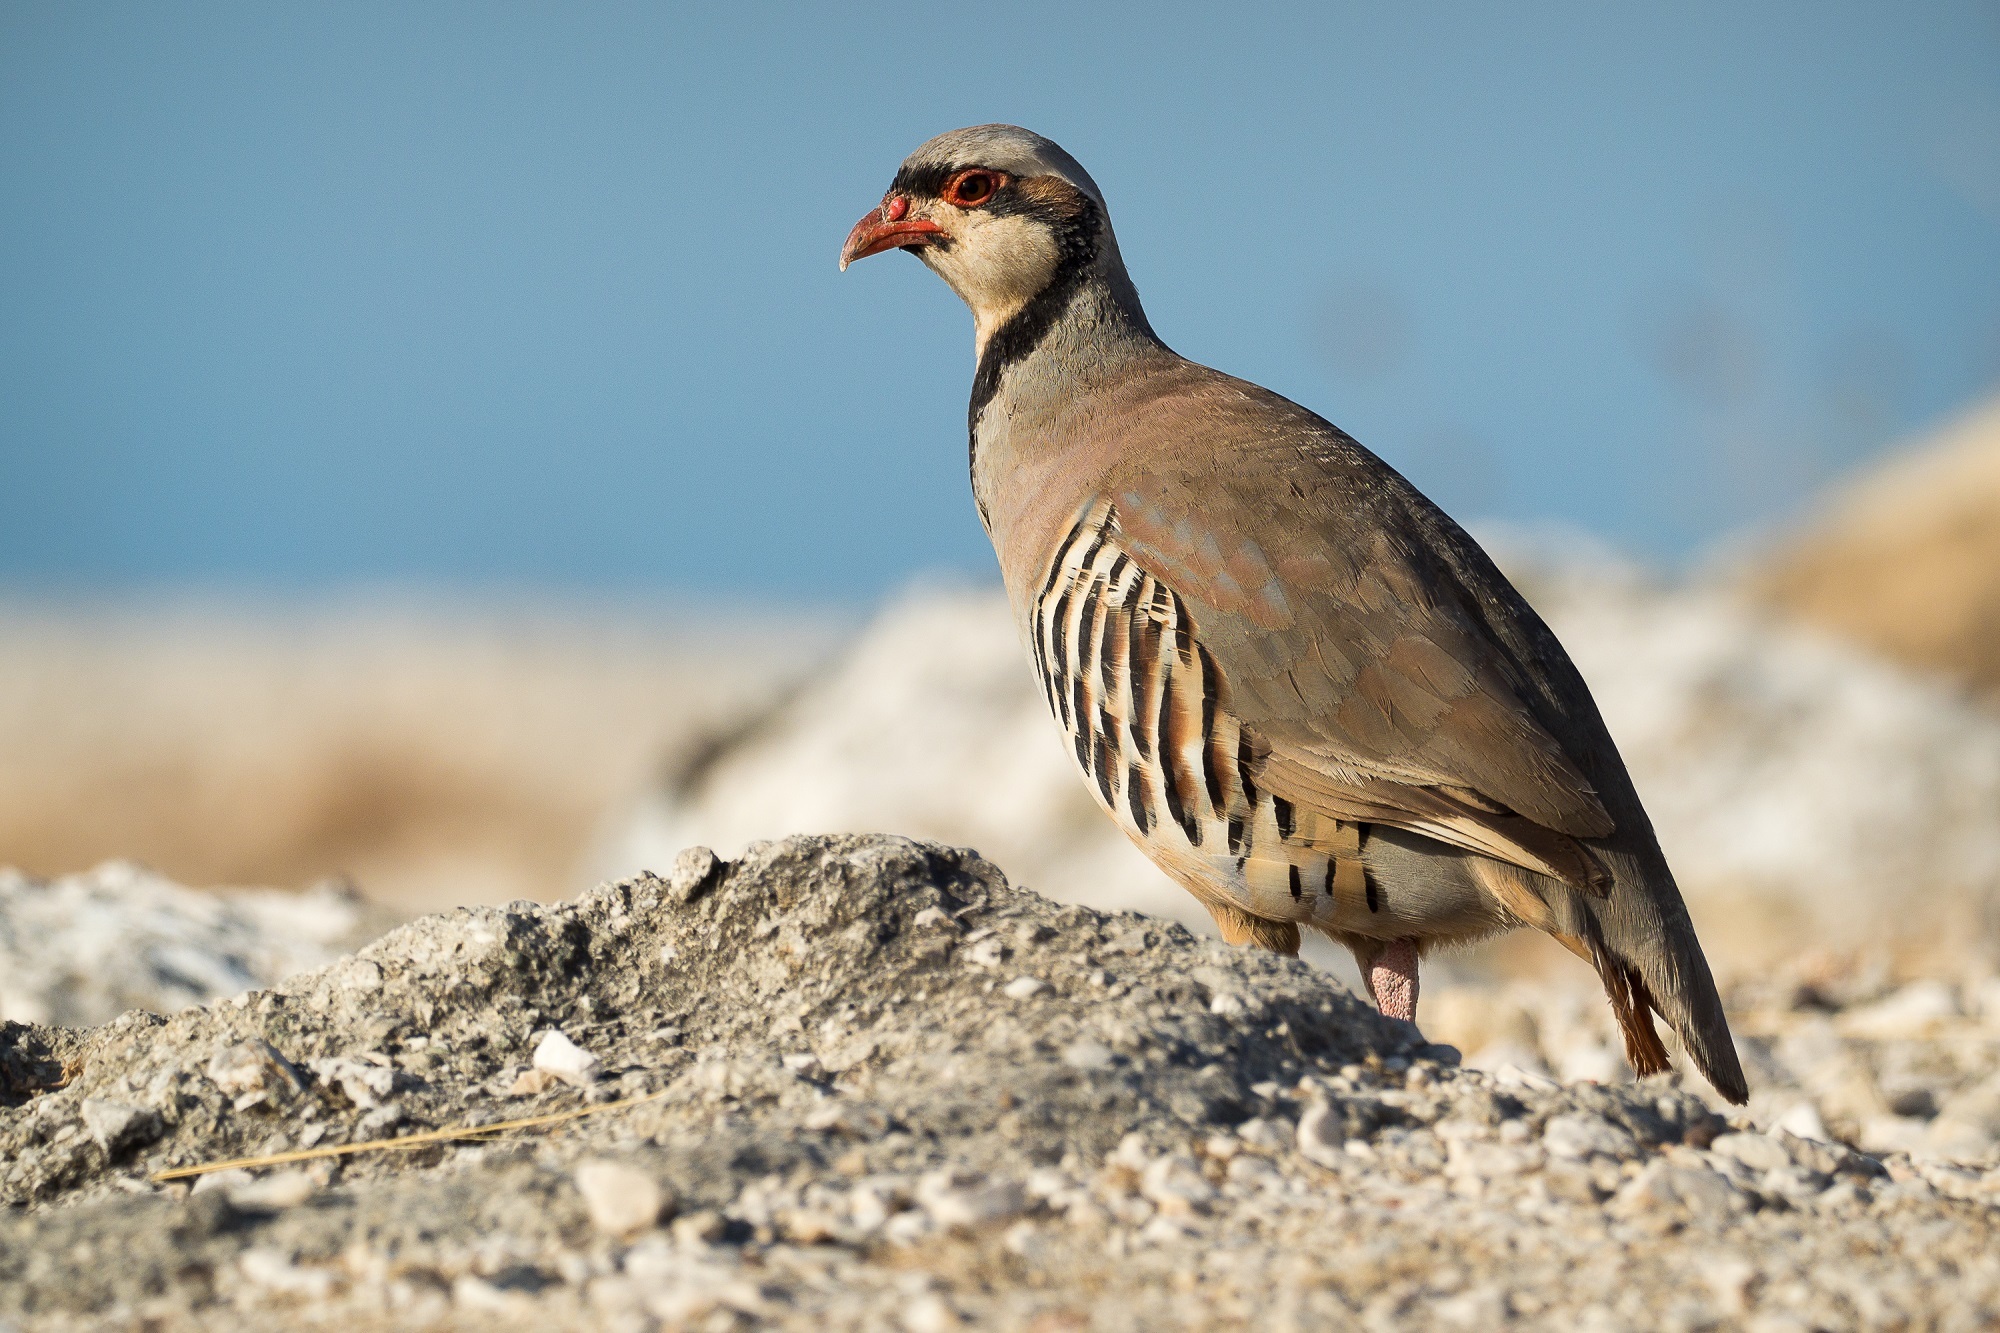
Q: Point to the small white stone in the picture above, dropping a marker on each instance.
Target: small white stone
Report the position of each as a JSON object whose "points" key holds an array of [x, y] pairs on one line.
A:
{"points": [[286, 1189], [989, 952], [1580, 1135], [1322, 1134], [908, 1228], [1706, 1194], [378, 1122], [274, 1270], [252, 1066], [929, 1313], [1258, 1132], [622, 1200], [855, 1120], [932, 918], [569, 1062], [365, 1084], [1248, 1170], [1755, 1151], [1084, 1053], [223, 1180], [1803, 1121], [960, 1199], [1023, 988], [1176, 1185], [117, 1126]]}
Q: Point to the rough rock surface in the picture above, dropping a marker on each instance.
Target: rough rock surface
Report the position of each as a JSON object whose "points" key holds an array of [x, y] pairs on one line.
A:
{"points": [[896, 1092]]}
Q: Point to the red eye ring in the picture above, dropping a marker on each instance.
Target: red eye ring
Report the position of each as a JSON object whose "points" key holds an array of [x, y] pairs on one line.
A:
{"points": [[973, 187]]}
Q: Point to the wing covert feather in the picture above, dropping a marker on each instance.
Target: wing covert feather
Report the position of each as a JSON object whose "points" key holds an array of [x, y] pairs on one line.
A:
{"points": [[1349, 652]]}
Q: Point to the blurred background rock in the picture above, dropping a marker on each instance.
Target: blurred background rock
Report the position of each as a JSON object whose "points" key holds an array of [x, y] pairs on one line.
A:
{"points": [[417, 487]]}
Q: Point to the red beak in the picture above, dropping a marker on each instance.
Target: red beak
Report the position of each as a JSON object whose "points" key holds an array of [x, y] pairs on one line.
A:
{"points": [[887, 228]]}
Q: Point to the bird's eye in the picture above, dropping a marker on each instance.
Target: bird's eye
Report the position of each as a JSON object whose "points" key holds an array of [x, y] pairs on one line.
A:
{"points": [[970, 189]]}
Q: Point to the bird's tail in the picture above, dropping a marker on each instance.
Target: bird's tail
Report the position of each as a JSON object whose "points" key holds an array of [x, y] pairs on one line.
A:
{"points": [[1638, 937]]}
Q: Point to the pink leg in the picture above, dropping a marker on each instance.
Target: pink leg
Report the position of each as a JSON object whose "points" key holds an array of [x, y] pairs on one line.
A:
{"points": [[1392, 979]]}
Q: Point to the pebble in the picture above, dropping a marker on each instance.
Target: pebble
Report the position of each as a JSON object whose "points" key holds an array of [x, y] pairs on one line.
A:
{"points": [[1759, 1152], [1579, 1135], [283, 1189], [251, 1066], [558, 1055], [622, 1200], [1322, 1134], [1084, 1053], [116, 1126], [362, 1082], [1703, 1193], [1175, 1185], [964, 1200], [1023, 988]]}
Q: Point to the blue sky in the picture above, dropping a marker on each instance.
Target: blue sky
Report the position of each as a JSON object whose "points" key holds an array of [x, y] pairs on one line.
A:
{"points": [[501, 296]]}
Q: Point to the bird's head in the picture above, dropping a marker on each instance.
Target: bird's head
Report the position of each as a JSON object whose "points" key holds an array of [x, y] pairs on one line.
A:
{"points": [[998, 212]]}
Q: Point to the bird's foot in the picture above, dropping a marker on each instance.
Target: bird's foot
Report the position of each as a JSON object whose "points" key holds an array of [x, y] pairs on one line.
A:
{"points": [[1392, 980]]}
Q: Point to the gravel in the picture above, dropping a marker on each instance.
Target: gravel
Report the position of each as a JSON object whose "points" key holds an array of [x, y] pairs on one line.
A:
{"points": [[860, 1119]]}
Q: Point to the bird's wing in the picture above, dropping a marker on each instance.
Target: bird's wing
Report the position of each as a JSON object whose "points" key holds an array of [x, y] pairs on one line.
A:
{"points": [[1368, 668]]}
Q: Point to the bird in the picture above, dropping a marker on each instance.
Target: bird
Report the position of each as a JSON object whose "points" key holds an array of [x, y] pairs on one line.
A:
{"points": [[1297, 685]]}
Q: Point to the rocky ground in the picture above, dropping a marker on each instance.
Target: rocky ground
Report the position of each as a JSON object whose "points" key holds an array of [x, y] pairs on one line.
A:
{"points": [[886, 1090]]}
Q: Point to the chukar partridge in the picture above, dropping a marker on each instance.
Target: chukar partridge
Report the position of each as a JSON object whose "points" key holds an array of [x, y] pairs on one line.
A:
{"points": [[1296, 684]]}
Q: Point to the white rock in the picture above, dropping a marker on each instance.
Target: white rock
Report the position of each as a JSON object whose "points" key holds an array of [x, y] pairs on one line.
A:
{"points": [[1260, 1133], [285, 1189], [251, 1066], [1704, 1193], [366, 1085], [963, 1200], [1251, 1170], [569, 1062], [1580, 1135], [117, 1126], [622, 1200], [1756, 1151], [1322, 1134], [229, 1181], [1023, 988], [274, 1270], [1083, 1053], [855, 1120], [1803, 1120], [908, 1228], [929, 1313], [1176, 1185], [989, 952]]}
